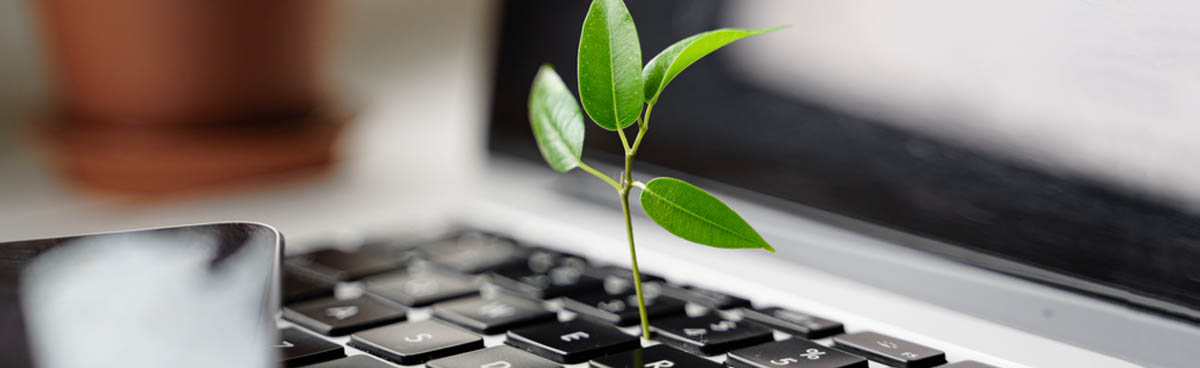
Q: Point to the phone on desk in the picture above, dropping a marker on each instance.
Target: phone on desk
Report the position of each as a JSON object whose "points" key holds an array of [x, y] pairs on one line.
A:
{"points": [[188, 296]]}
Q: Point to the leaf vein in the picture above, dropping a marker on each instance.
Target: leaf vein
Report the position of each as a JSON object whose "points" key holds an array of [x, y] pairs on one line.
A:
{"points": [[701, 218]]}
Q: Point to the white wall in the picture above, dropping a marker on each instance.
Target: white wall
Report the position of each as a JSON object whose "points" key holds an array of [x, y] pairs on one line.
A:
{"points": [[1109, 88]]}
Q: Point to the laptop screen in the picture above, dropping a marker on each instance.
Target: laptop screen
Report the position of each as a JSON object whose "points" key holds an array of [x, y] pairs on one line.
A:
{"points": [[995, 145]]}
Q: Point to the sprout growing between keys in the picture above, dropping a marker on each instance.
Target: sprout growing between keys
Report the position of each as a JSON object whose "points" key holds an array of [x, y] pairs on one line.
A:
{"points": [[613, 86]]}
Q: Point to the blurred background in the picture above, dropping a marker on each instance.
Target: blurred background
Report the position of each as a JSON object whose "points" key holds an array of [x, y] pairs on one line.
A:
{"points": [[1095, 89], [412, 75]]}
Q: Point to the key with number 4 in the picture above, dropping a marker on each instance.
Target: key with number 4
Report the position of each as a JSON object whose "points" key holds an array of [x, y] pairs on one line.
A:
{"points": [[620, 305], [494, 313], [709, 334]]}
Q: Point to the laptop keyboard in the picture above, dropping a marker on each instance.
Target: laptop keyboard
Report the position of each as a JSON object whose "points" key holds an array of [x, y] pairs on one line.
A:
{"points": [[476, 300]]}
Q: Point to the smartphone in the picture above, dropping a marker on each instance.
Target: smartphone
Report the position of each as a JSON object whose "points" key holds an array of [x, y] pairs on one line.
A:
{"points": [[193, 289]]}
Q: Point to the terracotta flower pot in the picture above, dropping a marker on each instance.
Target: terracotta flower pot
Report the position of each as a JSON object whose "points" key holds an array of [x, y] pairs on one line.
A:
{"points": [[156, 96], [186, 61]]}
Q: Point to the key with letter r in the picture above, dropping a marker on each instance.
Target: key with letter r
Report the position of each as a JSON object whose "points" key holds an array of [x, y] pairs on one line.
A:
{"points": [[658, 356]]}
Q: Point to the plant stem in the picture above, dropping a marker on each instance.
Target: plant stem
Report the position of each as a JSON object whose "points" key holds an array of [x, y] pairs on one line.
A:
{"points": [[643, 126], [626, 184], [600, 175]]}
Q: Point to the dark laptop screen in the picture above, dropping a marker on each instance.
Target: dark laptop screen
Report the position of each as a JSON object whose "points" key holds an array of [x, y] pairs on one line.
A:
{"points": [[713, 123]]}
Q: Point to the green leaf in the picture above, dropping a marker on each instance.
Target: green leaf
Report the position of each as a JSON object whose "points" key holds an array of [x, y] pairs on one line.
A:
{"points": [[677, 57], [610, 65], [556, 120], [693, 214]]}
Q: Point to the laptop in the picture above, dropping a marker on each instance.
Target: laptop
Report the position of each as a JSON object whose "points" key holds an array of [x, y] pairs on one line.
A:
{"points": [[895, 247]]}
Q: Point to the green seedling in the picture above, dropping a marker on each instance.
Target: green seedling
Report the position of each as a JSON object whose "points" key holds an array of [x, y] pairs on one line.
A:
{"points": [[614, 87]]}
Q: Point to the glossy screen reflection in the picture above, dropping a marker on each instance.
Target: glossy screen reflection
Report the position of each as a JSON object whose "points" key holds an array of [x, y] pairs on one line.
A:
{"points": [[195, 296]]}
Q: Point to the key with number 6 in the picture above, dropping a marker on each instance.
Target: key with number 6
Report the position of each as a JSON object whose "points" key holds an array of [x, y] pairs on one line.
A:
{"points": [[793, 353]]}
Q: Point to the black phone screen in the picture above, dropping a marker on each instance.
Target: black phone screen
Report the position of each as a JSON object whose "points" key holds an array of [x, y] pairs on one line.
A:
{"points": [[253, 245]]}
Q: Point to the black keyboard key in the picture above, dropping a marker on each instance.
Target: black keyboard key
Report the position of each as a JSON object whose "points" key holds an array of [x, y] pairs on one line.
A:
{"points": [[793, 353], [619, 272], [334, 317], [417, 288], [332, 264], [357, 361], [546, 275], [493, 314], [890, 350], [496, 357], [708, 334], [618, 304], [475, 253], [793, 322], [654, 357], [299, 287], [297, 348], [572, 341], [704, 297], [968, 364], [416, 342]]}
